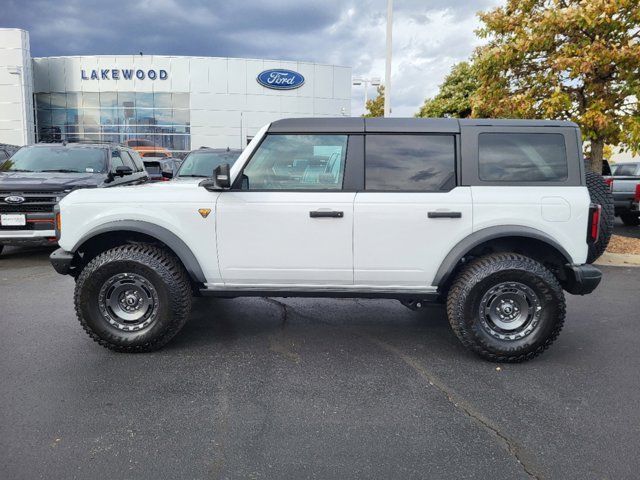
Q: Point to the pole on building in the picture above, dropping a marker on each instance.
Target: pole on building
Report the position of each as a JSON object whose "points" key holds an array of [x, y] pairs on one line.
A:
{"points": [[387, 71], [366, 81], [17, 70], [366, 94]]}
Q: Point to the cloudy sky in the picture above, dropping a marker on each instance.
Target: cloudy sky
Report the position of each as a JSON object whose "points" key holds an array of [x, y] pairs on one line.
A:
{"points": [[429, 35]]}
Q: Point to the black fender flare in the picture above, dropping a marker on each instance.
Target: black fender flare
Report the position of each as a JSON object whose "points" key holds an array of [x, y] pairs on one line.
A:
{"points": [[170, 239], [491, 233]]}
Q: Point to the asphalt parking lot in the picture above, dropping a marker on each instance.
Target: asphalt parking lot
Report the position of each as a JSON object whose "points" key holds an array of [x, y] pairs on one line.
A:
{"points": [[625, 231], [313, 388]]}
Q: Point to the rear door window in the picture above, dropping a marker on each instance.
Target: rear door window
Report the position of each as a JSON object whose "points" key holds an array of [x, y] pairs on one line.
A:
{"points": [[413, 163], [522, 157]]}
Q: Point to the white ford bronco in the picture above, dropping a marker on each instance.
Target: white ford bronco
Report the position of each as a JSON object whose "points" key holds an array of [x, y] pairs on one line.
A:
{"points": [[492, 217]]}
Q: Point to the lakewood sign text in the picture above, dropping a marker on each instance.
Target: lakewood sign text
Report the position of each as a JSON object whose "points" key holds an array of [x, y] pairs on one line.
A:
{"points": [[123, 74]]}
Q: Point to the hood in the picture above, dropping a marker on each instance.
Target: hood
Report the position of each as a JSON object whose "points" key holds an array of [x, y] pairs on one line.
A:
{"points": [[187, 180], [133, 196], [45, 181]]}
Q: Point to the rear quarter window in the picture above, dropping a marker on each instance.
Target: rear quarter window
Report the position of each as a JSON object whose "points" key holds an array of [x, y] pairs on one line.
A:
{"points": [[522, 157]]}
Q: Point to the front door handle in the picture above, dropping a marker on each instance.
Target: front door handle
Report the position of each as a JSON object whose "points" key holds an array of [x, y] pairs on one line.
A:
{"points": [[326, 214], [444, 214]]}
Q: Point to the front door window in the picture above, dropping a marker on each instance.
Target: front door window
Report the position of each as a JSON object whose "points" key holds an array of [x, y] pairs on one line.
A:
{"points": [[297, 162]]}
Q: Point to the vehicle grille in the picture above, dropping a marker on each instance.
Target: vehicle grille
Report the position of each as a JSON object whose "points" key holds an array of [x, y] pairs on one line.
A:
{"points": [[26, 208], [34, 202]]}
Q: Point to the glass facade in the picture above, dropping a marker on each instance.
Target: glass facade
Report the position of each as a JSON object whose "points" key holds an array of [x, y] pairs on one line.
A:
{"points": [[162, 118]]}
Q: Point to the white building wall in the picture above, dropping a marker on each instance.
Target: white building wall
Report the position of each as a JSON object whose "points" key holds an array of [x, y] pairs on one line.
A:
{"points": [[16, 88], [227, 103]]}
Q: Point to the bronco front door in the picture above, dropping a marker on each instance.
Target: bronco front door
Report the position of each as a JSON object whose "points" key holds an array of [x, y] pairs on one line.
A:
{"points": [[288, 220]]}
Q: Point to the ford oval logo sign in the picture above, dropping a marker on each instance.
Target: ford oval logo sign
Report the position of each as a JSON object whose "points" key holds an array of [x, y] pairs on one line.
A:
{"points": [[280, 79], [14, 199]]}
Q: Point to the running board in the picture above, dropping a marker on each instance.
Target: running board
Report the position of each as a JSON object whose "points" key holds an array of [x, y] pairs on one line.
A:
{"points": [[428, 296]]}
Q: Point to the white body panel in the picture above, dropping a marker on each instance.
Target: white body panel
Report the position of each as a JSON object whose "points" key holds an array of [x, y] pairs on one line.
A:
{"points": [[269, 238], [396, 244], [559, 212], [171, 205]]}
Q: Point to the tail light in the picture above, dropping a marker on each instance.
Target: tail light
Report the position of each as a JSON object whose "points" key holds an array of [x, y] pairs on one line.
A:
{"points": [[594, 223], [637, 195], [609, 182]]}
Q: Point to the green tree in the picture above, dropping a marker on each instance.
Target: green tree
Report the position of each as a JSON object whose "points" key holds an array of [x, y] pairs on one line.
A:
{"points": [[454, 97], [375, 106], [564, 59]]}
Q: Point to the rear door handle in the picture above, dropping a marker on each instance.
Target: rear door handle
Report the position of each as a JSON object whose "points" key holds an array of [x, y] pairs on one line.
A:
{"points": [[326, 214], [444, 214]]}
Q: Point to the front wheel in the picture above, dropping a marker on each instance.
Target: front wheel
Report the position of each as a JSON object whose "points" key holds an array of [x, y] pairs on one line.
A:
{"points": [[506, 307], [133, 298]]}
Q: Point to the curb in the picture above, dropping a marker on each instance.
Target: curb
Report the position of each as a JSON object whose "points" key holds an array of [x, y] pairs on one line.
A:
{"points": [[619, 260]]}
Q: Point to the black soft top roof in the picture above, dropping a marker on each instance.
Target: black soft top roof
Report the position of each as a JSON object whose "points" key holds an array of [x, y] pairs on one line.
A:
{"points": [[399, 125]]}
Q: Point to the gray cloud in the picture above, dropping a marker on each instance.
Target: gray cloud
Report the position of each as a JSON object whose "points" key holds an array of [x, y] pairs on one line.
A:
{"points": [[429, 36]]}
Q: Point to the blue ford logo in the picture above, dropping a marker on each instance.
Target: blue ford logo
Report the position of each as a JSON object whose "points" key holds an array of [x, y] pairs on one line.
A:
{"points": [[14, 199], [280, 79]]}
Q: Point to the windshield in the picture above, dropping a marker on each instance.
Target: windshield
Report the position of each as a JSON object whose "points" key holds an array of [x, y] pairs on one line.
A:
{"points": [[57, 159], [202, 163]]}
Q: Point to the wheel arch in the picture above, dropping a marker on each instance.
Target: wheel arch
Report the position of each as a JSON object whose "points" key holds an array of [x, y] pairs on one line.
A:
{"points": [[519, 239], [115, 233]]}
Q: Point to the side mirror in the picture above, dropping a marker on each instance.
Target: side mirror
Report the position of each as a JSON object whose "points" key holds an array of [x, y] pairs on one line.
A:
{"points": [[221, 179], [167, 175], [222, 175], [122, 170]]}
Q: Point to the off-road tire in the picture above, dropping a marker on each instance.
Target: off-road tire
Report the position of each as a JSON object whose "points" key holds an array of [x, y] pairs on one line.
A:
{"points": [[166, 276], [600, 194], [478, 278], [629, 219]]}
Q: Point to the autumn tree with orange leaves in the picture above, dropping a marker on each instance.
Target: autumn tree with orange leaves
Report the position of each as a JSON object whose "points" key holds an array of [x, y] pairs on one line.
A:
{"points": [[564, 59]]}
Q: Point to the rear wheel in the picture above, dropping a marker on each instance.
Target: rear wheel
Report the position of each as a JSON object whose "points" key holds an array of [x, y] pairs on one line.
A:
{"points": [[630, 220], [600, 194], [133, 298], [506, 307]]}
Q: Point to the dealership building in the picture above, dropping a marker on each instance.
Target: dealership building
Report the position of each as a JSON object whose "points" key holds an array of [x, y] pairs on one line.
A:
{"points": [[180, 103]]}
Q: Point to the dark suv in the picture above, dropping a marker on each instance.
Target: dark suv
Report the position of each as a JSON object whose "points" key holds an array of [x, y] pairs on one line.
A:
{"points": [[36, 177]]}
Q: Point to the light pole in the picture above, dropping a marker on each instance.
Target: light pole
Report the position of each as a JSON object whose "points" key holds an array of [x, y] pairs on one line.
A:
{"points": [[387, 70], [373, 81]]}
